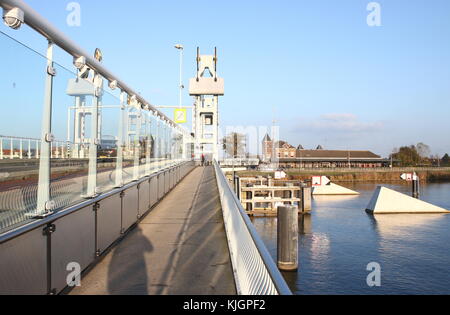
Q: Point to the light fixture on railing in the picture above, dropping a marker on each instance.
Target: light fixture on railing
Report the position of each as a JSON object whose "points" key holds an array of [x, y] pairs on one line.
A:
{"points": [[113, 85], [133, 101], [98, 55], [14, 18], [79, 62]]}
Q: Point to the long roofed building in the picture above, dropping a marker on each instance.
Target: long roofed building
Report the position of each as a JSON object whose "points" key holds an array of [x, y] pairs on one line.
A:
{"points": [[291, 157]]}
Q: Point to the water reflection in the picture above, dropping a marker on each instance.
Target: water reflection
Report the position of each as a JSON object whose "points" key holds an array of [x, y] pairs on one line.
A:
{"points": [[403, 225], [339, 239], [304, 224]]}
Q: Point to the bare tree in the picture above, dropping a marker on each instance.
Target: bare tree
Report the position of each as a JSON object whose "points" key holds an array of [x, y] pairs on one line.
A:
{"points": [[423, 150]]}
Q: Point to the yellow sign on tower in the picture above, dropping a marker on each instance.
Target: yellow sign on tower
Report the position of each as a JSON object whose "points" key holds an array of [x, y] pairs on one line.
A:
{"points": [[180, 115]]}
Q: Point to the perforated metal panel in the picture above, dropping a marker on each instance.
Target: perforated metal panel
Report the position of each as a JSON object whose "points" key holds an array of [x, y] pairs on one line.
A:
{"points": [[166, 182], [153, 190], [72, 242], [161, 189], [109, 222], [144, 198], [129, 208], [23, 265], [171, 178]]}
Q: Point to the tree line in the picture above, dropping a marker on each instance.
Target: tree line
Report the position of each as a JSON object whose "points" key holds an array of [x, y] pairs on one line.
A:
{"points": [[418, 155]]}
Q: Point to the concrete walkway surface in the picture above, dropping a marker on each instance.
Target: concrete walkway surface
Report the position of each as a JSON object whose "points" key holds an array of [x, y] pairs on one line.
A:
{"points": [[179, 248]]}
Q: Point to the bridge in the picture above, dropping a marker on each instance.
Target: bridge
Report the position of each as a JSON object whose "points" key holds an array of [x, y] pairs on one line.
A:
{"points": [[105, 193]]}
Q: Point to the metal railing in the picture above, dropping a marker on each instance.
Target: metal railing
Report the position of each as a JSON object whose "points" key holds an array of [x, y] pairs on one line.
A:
{"points": [[368, 169], [34, 255], [42, 172], [254, 270]]}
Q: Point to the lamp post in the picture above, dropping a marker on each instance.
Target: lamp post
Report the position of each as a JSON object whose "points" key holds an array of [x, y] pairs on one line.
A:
{"points": [[181, 48]]}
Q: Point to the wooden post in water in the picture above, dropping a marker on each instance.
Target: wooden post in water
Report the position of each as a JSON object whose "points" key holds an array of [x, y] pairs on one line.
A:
{"points": [[305, 199], [415, 187], [287, 235]]}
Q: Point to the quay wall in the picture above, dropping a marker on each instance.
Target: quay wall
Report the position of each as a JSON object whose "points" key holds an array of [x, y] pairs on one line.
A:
{"points": [[381, 175]]}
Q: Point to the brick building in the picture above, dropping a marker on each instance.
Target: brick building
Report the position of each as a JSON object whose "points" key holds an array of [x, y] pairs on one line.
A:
{"points": [[291, 157]]}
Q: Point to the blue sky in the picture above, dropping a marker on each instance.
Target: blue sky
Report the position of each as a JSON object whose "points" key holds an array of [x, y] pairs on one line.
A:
{"points": [[316, 66]]}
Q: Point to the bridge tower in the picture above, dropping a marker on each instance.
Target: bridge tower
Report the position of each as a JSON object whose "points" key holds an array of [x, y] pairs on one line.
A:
{"points": [[206, 87]]}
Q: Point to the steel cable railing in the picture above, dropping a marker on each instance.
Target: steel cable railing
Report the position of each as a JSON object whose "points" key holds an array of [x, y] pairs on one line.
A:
{"points": [[254, 270]]}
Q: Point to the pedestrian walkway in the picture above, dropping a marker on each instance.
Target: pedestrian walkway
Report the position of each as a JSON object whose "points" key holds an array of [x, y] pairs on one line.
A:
{"points": [[179, 248]]}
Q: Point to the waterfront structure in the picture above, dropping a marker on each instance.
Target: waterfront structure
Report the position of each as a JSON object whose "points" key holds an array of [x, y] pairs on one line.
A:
{"points": [[290, 157], [263, 195], [333, 190], [388, 201]]}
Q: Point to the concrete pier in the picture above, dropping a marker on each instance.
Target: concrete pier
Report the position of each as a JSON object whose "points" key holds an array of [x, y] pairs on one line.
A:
{"points": [[179, 248], [333, 189], [388, 201]]}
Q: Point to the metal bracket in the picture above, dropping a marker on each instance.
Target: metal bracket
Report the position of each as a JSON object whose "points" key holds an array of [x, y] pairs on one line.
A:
{"points": [[98, 92], [96, 206], [122, 194], [97, 253], [51, 71], [49, 229], [49, 137], [50, 205]]}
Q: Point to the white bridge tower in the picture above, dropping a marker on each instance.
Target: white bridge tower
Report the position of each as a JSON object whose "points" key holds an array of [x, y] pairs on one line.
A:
{"points": [[206, 87]]}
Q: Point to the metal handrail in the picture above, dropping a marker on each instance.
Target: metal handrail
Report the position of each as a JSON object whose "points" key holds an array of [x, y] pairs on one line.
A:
{"points": [[254, 270], [35, 223], [46, 29]]}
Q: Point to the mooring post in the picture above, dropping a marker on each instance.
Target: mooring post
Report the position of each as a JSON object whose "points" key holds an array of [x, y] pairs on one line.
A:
{"points": [[305, 198], [287, 238], [416, 187]]}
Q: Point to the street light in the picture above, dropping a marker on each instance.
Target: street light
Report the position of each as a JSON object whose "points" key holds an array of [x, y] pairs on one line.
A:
{"points": [[181, 48]]}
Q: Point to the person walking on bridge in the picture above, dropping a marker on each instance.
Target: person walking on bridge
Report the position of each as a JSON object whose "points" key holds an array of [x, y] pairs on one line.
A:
{"points": [[203, 159]]}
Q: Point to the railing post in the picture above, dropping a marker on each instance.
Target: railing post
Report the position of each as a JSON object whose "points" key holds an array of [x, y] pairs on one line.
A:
{"points": [[1, 148], [37, 150], [43, 199], [93, 147], [149, 143], [137, 145], [11, 151], [158, 145], [29, 149], [119, 164]]}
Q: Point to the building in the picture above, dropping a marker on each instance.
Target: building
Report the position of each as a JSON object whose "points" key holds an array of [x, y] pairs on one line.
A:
{"points": [[267, 148], [290, 157], [282, 149]]}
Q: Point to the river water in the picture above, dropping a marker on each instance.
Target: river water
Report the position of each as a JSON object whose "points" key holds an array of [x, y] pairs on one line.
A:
{"points": [[339, 239]]}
